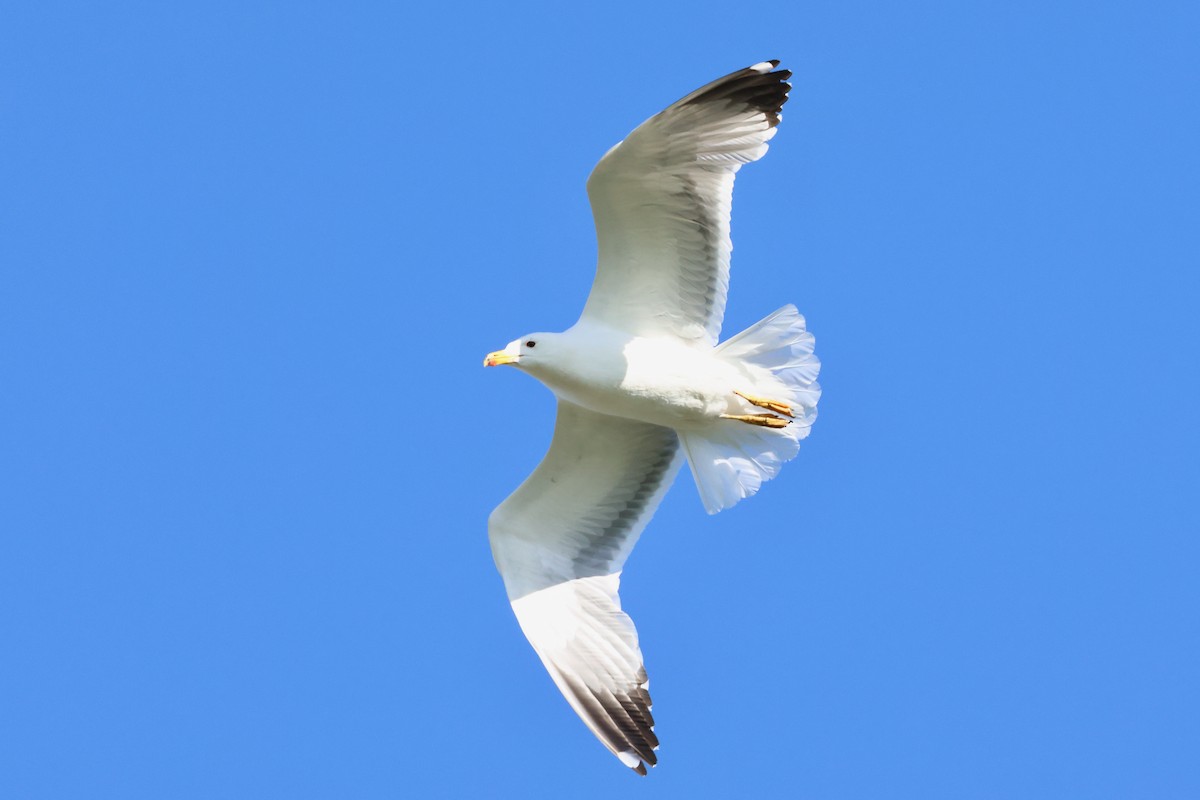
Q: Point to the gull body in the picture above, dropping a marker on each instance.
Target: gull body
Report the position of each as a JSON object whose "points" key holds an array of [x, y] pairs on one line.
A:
{"points": [[660, 380], [643, 386]]}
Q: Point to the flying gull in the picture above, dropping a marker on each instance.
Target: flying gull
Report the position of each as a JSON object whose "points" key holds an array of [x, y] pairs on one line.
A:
{"points": [[642, 385]]}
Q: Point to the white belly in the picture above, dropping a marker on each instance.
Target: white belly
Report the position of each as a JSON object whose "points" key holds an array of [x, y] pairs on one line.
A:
{"points": [[661, 381]]}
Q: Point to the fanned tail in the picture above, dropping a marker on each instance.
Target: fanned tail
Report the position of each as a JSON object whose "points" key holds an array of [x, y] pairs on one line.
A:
{"points": [[731, 460]]}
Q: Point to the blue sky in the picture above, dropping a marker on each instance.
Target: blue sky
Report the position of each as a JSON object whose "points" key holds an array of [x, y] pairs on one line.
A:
{"points": [[250, 261]]}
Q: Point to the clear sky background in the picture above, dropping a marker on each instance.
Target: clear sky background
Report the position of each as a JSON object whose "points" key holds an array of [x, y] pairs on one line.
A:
{"points": [[251, 259]]}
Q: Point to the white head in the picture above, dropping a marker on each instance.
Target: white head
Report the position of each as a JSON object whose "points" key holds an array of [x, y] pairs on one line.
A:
{"points": [[529, 352]]}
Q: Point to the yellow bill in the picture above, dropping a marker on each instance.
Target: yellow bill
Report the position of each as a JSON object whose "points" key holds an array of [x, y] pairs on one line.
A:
{"points": [[499, 357]]}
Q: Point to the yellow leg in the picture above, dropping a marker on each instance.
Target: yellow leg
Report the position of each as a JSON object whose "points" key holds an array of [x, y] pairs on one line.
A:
{"points": [[762, 402], [765, 420]]}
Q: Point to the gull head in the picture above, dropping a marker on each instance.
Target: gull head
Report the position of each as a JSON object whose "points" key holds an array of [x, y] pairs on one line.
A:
{"points": [[527, 351]]}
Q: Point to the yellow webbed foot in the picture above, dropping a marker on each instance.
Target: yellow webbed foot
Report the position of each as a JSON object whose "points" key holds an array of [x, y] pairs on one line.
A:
{"points": [[777, 406], [765, 420]]}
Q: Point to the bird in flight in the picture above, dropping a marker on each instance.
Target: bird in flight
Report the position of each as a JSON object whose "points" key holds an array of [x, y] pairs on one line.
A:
{"points": [[642, 385]]}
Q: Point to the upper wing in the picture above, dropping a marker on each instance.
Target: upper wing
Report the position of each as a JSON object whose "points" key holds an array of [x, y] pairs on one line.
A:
{"points": [[560, 541], [661, 202]]}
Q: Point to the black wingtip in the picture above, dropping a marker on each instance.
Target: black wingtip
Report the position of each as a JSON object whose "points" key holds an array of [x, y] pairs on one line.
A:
{"points": [[762, 87], [640, 769]]}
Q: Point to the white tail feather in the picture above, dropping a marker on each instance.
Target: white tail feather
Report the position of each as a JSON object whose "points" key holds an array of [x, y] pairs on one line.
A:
{"points": [[730, 460]]}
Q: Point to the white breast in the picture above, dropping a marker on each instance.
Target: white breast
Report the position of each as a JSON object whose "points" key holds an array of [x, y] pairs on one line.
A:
{"points": [[659, 380]]}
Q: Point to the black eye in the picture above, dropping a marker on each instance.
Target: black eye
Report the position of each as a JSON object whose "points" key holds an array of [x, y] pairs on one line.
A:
{"points": [[531, 343]]}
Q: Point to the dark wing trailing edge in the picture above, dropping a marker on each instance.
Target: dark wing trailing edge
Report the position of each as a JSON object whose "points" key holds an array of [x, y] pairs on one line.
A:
{"points": [[661, 201], [560, 541]]}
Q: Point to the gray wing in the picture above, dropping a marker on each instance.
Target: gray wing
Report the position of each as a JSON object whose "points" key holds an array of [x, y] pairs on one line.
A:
{"points": [[661, 202], [560, 541]]}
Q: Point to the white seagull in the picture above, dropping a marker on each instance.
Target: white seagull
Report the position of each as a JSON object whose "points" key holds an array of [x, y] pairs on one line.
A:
{"points": [[641, 384]]}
